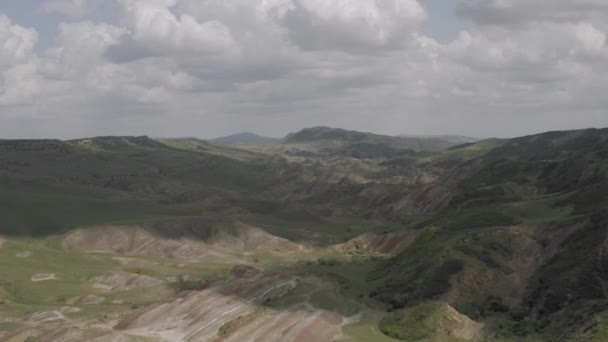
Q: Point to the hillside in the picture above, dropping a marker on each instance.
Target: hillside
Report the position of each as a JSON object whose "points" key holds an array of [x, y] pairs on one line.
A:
{"points": [[327, 134], [515, 240], [102, 180], [245, 138], [456, 139], [496, 240]]}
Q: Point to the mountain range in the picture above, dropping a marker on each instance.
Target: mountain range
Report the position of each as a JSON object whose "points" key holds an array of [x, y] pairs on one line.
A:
{"points": [[326, 234], [245, 138]]}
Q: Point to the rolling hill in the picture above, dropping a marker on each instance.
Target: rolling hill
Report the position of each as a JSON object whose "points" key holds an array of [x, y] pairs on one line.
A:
{"points": [[353, 233], [327, 134], [245, 138]]}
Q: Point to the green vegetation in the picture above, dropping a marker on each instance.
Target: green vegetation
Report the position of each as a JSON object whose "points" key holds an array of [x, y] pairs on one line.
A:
{"points": [[511, 232], [7, 326], [16, 273], [317, 134], [22, 259], [37, 210], [301, 225], [350, 276], [196, 145], [332, 301], [458, 154], [366, 329], [416, 324], [300, 294], [597, 332], [245, 138], [52, 186]]}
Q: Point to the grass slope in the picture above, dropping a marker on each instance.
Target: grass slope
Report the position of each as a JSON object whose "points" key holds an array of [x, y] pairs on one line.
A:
{"points": [[516, 241]]}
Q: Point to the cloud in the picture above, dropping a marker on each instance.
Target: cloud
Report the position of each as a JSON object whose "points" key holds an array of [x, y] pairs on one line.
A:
{"points": [[16, 42], [208, 67], [360, 25], [18, 73], [19, 85], [81, 47], [523, 12], [532, 51], [155, 31]]}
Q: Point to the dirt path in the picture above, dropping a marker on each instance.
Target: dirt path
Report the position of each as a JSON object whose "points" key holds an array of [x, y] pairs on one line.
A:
{"points": [[43, 277], [25, 254]]}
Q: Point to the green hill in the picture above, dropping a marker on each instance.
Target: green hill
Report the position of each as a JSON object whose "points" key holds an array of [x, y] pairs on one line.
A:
{"points": [[501, 239], [327, 134], [245, 138]]}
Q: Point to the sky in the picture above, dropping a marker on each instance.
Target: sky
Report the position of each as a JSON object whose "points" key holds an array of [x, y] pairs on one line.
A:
{"points": [[207, 68]]}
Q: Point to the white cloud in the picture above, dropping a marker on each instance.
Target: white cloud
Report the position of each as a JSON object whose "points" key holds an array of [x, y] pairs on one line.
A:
{"points": [[18, 76], [16, 42], [19, 85], [207, 67], [156, 30], [533, 50], [81, 46], [356, 25]]}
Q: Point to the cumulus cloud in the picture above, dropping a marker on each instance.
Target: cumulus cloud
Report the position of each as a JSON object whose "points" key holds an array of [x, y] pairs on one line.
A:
{"points": [[558, 47], [18, 73], [81, 47], [208, 67], [155, 31], [360, 25], [16, 42]]}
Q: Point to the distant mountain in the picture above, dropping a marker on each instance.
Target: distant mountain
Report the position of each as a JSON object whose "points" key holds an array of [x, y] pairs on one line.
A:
{"points": [[456, 139], [245, 138], [501, 239], [459, 139], [118, 143], [320, 134]]}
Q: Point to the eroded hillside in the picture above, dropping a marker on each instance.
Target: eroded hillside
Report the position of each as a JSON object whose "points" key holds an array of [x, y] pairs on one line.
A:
{"points": [[327, 235]]}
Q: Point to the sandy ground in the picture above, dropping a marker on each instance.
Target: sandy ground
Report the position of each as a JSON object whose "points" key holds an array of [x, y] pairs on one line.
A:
{"points": [[233, 309], [123, 281], [43, 277], [25, 254], [134, 262], [199, 315], [51, 316], [135, 241], [453, 324], [20, 335]]}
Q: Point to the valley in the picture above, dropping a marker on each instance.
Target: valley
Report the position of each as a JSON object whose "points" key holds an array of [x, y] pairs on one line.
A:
{"points": [[122, 283], [326, 235]]}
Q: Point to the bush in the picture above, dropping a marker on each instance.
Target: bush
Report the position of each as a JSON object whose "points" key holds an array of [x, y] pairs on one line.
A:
{"points": [[328, 262], [439, 281], [413, 324]]}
